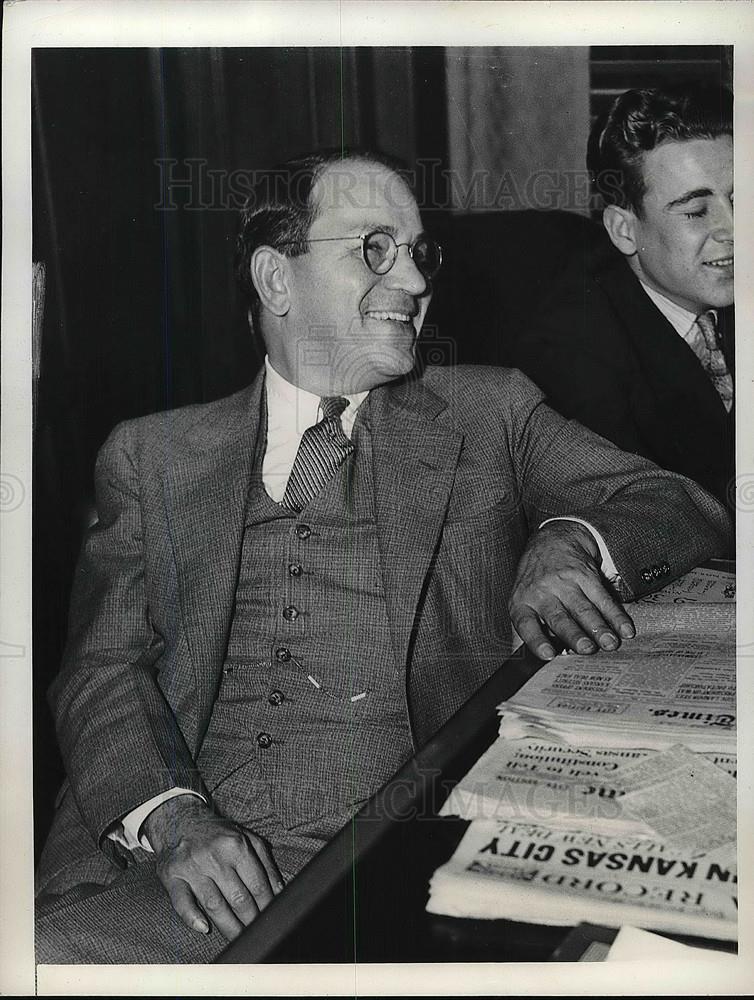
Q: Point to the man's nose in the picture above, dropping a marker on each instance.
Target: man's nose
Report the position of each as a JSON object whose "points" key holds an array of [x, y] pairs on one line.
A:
{"points": [[722, 221], [405, 275]]}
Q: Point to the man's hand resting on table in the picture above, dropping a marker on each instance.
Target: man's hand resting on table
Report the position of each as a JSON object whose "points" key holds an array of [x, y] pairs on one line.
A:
{"points": [[210, 866], [559, 587]]}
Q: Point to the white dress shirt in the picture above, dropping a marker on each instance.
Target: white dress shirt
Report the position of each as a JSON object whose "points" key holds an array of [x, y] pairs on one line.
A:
{"points": [[682, 321], [290, 411]]}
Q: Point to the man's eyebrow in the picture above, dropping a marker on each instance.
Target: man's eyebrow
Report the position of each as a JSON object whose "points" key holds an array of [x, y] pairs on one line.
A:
{"points": [[689, 196], [373, 227]]}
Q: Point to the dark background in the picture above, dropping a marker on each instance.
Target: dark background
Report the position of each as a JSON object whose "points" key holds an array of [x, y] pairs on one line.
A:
{"points": [[141, 312]]}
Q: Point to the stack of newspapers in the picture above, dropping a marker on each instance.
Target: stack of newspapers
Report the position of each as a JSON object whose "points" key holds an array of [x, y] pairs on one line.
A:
{"points": [[610, 793]]}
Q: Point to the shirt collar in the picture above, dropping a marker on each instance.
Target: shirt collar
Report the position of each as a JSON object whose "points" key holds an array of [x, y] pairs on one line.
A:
{"points": [[292, 409], [679, 318]]}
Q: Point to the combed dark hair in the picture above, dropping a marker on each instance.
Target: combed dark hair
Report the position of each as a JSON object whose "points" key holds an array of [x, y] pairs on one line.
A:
{"points": [[279, 212], [640, 120]]}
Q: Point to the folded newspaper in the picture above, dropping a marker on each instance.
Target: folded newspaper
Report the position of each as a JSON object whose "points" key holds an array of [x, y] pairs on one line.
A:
{"points": [[567, 735], [610, 794], [562, 786], [532, 874], [675, 682]]}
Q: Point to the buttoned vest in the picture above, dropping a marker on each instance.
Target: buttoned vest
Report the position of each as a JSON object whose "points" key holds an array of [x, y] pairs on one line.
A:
{"points": [[311, 715]]}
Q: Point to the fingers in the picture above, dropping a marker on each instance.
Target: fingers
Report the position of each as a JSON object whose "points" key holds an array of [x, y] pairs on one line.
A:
{"points": [[529, 627], [225, 900], [585, 622], [611, 611], [228, 903], [183, 902], [255, 876], [579, 627], [560, 594], [203, 904], [581, 639], [219, 875], [265, 856]]}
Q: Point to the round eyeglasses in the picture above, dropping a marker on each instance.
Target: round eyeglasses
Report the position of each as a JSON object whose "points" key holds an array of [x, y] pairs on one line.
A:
{"points": [[380, 251]]}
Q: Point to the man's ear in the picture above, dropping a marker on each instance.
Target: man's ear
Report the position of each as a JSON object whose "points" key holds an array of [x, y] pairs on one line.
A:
{"points": [[620, 224], [269, 274]]}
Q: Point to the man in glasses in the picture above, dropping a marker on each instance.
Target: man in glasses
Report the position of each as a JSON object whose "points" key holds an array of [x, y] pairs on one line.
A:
{"points": [[290, 590]]}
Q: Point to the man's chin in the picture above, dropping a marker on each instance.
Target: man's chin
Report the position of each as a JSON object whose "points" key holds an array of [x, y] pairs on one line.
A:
{"points": [[719, 298], [719, 291], [364, 373], [394, 368]]}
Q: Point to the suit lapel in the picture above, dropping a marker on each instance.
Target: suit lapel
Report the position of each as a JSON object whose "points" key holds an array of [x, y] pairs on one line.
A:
{"points": [[681, 390], [414, 465], [205, 501]]}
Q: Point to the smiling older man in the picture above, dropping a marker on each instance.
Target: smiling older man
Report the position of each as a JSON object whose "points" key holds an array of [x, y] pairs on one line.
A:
{"points": [[290, 590], [638, 345]]}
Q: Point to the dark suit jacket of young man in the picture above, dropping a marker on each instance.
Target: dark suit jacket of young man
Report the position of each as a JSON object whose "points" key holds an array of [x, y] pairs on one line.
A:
{"points": [[605, 355], [466, 463]]}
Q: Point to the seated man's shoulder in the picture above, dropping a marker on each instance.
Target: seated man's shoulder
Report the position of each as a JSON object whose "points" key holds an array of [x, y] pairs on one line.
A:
{"points": [[586, 320], [482, 387], [164, 434]]}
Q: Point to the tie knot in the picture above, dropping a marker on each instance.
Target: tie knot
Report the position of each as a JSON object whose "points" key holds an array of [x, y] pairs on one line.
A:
{"points": [[332, 406]]}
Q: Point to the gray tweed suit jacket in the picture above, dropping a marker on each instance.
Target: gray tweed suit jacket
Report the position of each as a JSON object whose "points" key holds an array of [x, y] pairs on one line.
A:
{"points": [[467, 462]]}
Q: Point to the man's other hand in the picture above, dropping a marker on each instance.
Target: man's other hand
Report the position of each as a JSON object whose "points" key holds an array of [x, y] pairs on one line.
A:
{"points": [[559, 591], [210, 867]]}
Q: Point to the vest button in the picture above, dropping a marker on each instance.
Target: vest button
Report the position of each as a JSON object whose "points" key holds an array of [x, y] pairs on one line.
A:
{"points": [[264, 740], [290, 613], [303, 530], [282, 654], [275, 697], [295, 569]]}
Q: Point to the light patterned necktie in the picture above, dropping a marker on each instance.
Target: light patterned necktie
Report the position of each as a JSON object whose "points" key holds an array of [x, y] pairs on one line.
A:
{"points": [[322, 449], [703, 342]]}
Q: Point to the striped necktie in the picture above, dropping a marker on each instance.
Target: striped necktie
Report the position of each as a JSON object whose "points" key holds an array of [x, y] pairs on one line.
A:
{"points": [[322, 449], [703, 342]]}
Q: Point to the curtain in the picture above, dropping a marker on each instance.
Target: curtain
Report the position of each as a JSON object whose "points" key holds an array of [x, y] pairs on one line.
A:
{"points": [[141, 162], [518, 121]]}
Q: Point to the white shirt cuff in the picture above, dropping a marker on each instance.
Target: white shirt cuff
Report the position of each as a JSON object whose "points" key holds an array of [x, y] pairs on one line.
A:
{"points": [[128, 831], [608, 567]]}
